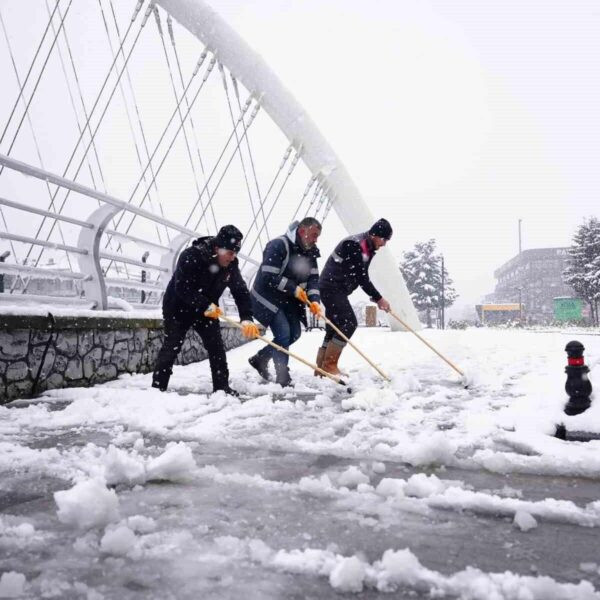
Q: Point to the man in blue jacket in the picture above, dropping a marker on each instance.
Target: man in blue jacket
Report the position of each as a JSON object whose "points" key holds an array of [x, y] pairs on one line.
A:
{"points": [[347, 268], [285, 283], [203, 272]]}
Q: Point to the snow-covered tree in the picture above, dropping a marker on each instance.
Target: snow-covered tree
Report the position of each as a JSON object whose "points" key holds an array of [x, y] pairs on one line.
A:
{"points": [[422, 271], [583, 264]]}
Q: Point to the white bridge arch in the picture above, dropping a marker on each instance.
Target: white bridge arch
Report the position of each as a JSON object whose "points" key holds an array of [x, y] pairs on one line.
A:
{"points": [[101, 238]]}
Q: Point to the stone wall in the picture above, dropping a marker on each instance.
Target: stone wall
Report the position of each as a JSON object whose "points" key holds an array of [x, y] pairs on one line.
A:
{"points": [[84, 351]]}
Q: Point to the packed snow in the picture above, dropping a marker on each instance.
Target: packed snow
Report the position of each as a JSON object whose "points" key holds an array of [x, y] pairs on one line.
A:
{"points": [[142, 478]]}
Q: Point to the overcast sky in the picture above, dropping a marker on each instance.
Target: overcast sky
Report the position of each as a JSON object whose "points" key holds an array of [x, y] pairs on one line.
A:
{"points": [[455, 118]]}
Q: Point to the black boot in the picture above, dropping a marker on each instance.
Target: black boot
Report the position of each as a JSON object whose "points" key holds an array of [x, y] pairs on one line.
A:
{"points": [[283, 375], [229, 391], [261, 364], [160, 379]]}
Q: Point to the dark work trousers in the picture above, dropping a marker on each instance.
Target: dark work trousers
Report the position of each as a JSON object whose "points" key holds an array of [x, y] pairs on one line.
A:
{"points": [[209, 331], [286, 329], [339, 311]]}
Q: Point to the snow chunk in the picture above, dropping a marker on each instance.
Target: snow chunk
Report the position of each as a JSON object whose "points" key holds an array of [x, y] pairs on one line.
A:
{"points": [[175, 464], [141, 524], [352, 477], [122, 467], [379, 467], [391, 488], [348, 575], [428, 449], [118, 542], [87, 504], [589, 567], [524, 520], [370, 398], [422, 485], [12, 584], [398, 567], [259, 551], [22, 530], [320, 486]]}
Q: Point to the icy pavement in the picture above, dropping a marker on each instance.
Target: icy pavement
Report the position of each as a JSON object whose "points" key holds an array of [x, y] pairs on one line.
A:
{"points": [[415, 488]]}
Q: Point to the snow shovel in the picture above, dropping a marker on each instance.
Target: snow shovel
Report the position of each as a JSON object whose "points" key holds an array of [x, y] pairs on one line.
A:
{"points": [[282, 349], [409, 328], [347, 340]]}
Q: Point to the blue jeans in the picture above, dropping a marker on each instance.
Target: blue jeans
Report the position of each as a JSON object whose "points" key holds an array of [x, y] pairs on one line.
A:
{"points": [[286, 330]]}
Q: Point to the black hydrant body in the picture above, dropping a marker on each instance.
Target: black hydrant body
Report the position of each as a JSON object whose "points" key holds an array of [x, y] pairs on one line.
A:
{"points": [[578, 385]]}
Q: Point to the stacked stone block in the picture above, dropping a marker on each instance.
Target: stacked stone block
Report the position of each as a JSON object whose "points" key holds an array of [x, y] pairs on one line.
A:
{"points": [[84, 351]]}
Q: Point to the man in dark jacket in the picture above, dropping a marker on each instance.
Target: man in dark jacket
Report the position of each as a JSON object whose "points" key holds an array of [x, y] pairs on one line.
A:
{"points": [[285, 283], [347, 268], [203, 272]]}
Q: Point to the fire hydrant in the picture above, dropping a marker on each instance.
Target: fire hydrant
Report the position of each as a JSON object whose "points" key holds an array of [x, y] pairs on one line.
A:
{"points": [[578, 385]]}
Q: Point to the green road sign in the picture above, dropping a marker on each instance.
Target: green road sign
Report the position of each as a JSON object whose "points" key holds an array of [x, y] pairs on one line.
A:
{"points": [[568, 309]]}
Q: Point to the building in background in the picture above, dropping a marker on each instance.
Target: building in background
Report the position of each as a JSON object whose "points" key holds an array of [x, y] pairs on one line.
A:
{"points": [[534, 279]]}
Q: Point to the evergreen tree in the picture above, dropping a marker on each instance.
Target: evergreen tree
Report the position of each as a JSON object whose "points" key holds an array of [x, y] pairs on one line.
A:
{"points": [[422, 271], [583, 265]]}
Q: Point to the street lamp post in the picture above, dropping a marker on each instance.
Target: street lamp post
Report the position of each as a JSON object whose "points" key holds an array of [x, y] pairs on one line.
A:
{"points": [[143, 277], [3, 257], [520, 290]]}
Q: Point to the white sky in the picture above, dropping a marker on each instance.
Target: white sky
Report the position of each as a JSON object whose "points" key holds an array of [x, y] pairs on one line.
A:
{"points": [[454, 117]]}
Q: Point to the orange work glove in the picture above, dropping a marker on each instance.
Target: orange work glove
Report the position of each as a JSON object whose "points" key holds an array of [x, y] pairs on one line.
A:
{"points": [[213, 312], [250, 330], [315, 309], [301, 295]]}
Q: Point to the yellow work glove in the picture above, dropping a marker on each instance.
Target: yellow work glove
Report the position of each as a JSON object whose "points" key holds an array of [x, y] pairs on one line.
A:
{"points": [[250, 330], [213, 312], [315, 309], [301, 295]]}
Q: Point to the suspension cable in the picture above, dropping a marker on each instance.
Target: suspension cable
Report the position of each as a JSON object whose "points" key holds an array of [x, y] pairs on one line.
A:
{"points": [[35, 87], [99, 122], [250, 121], [37, 149], [179, 70], [319, 191], [136, 11], [291, 168], [237, 137], [307, 189], [288, 175], [198, 66], [33, 60], [327, 209], [173, 87], [282, 164], [166, 154], [240, 118], [136, 108], [237, 95]]}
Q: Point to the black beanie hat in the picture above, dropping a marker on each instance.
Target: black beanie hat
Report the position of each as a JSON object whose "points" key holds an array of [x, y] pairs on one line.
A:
{"points": [[382, 229], [229, 237]]}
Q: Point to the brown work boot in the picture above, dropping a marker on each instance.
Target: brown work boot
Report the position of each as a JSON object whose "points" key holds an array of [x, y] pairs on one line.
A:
{"points": [[320, 356], [330, 360]]}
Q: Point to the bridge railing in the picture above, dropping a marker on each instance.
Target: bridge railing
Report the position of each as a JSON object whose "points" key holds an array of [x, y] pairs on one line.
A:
{"points": [[92, 280]]}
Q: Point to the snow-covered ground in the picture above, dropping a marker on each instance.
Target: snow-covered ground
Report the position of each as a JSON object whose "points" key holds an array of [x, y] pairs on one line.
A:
{"points": [[416, 487]]}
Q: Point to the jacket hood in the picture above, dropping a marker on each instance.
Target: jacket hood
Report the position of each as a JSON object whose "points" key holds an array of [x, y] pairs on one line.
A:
{"points": [[205, 245], [292, 230], [291, 233]]}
